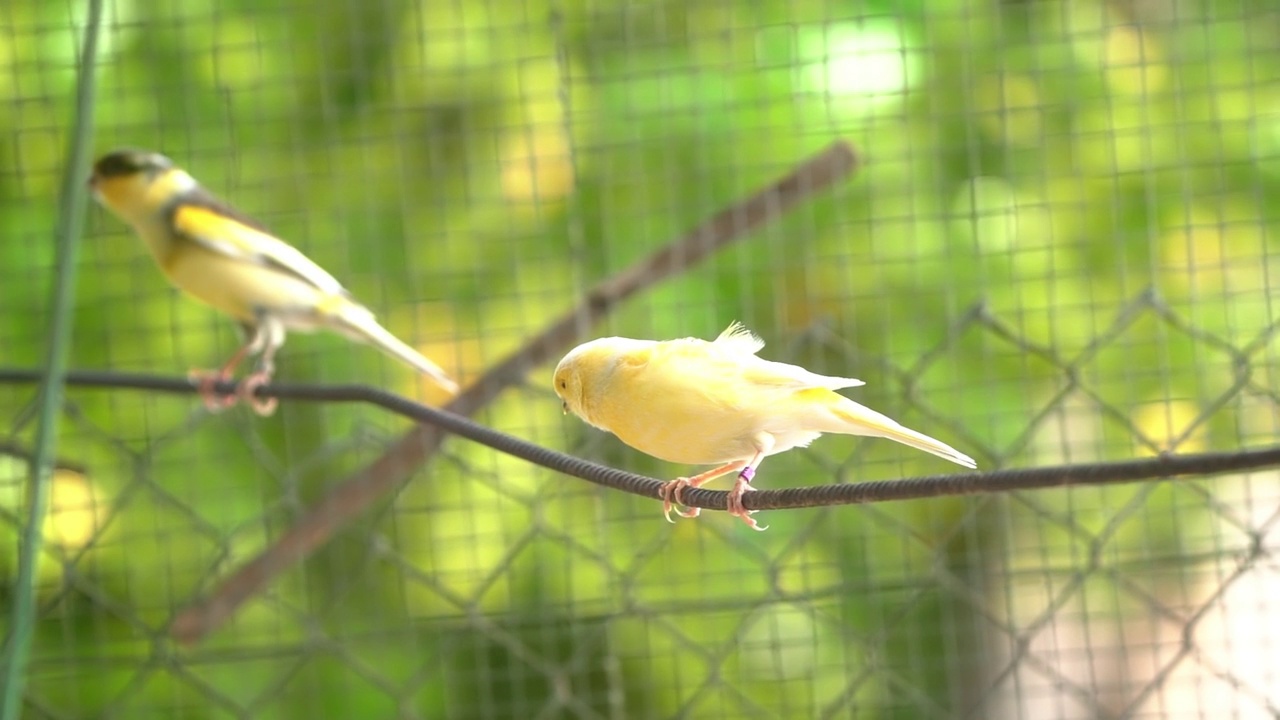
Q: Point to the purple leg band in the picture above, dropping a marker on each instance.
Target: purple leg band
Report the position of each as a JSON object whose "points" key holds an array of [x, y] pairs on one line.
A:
{"points": [[747, 473]]}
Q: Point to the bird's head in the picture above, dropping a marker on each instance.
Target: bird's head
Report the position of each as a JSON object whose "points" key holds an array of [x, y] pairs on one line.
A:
{"points": [[134, 182], [583, 375], [568, 380]]}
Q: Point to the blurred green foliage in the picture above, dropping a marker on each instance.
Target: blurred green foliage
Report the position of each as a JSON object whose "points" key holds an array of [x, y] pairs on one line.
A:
{"points": [[1106, 184]]}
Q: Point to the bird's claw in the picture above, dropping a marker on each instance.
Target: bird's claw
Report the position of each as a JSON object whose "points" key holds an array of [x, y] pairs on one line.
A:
{"points": [[735, 506], [671, 492], [247, 388], [205, 380]]}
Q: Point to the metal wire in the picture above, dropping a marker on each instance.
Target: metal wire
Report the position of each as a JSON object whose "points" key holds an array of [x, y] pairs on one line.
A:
{"points": [[1165, 465]]}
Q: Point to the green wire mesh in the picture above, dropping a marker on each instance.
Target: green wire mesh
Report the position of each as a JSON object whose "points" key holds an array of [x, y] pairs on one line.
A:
{"points": [[1100, 178]]}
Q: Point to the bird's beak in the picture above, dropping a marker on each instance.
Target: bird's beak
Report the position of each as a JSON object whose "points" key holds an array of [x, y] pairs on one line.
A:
{"points": [[565, 406]]}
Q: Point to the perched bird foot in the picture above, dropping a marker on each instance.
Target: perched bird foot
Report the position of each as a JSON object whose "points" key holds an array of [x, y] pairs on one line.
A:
{"points": [[741, 487], [671, 493], [205, 380], [247, 388]]}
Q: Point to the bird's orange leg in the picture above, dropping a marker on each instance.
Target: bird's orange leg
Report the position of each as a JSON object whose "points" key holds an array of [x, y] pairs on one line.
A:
{"points": [[671, 491], [206, 379], [258, 378], [741, 487], [248, 386]]}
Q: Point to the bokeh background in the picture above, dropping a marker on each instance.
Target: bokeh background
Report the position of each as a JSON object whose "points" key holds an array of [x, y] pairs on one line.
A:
{"points": [[1060, 247]]}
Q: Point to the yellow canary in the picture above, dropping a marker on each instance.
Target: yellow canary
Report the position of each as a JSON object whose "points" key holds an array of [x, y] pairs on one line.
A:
{"points": [[701, 403], [233, 264]]}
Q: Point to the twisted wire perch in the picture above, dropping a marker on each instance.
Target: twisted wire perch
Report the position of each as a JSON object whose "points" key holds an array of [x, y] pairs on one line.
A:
{"points": [[929, 486]]}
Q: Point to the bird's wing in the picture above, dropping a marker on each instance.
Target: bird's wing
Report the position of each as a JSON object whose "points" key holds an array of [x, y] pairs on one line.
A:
{"points": [[216, 228], [790, 377], [737, 347], [717, 362]]}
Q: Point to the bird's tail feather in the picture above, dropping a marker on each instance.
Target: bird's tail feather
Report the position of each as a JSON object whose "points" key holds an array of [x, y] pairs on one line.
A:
{"points": [[360, 322], [866, 421]]}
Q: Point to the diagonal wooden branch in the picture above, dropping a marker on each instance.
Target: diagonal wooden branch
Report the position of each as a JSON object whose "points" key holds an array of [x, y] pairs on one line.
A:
{"points": [[387, 473]]}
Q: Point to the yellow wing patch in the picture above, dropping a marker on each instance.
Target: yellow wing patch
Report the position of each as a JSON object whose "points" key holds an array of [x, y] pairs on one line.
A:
{"points": [[228, 236]]}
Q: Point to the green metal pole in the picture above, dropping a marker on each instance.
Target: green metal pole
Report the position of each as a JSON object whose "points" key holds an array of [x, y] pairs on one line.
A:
{"points": [[72, 200]]}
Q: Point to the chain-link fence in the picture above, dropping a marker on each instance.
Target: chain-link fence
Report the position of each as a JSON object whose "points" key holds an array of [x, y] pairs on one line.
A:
{"points": [[1058, 247]]}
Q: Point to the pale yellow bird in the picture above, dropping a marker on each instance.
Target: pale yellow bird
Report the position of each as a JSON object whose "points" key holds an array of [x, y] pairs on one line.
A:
{"points": [[695, 402]]}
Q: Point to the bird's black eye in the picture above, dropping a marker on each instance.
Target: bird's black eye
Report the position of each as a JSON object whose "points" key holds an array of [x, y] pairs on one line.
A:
{"points": [[564, 385]]}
